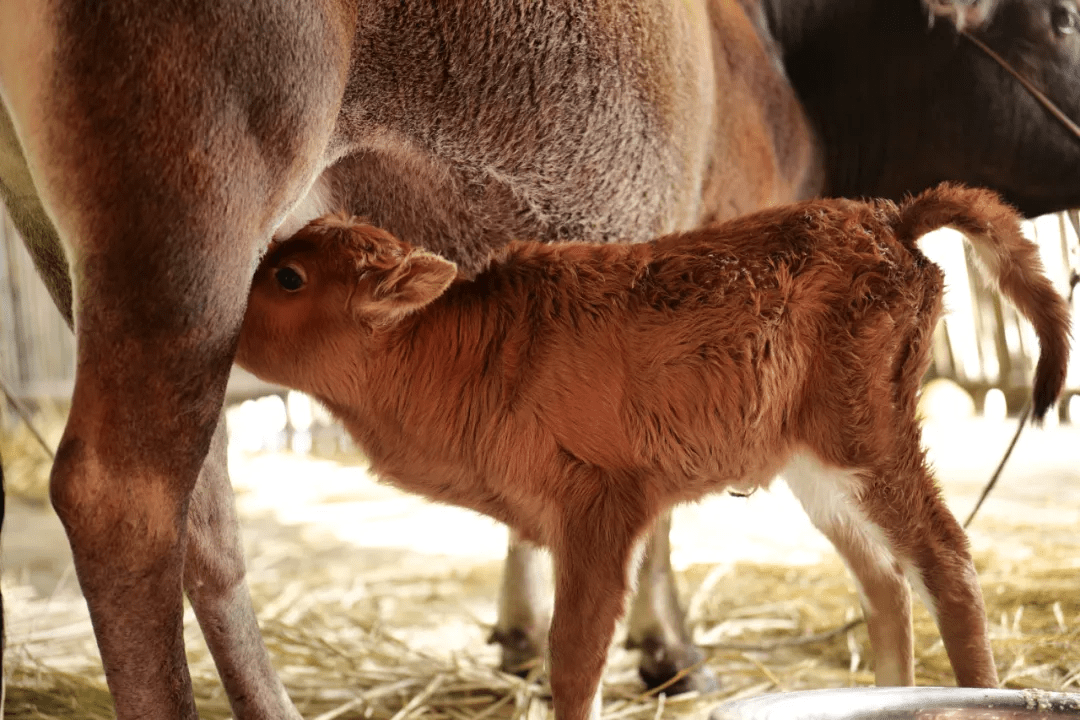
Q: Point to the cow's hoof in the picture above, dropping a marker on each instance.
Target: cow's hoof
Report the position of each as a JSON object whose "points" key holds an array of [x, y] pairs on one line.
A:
{"points": [[522, 653], [661, 663]]}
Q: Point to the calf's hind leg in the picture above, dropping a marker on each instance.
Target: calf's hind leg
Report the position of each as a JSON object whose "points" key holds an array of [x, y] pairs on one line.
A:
{"points": [[905, 502], [829, 496]]}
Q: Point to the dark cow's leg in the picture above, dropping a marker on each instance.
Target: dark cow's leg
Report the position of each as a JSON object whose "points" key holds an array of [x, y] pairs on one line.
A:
{"points": [[657, 625], [214, 581]]}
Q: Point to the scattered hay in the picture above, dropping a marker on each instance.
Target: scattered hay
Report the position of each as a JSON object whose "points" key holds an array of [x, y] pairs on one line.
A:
{"points": [[1033, 609], [26, 463], [392, 646], [397, 641]]}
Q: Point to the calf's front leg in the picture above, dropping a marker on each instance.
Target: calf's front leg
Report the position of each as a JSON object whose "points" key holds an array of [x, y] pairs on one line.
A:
{"points": [[593, 559], [657, 625]]}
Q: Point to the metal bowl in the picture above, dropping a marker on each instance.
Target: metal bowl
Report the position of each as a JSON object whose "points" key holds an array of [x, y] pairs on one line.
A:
{"points": [[908, 703]]}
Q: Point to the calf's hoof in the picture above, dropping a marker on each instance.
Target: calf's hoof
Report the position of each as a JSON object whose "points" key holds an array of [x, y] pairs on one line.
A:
{"points": [[521, 652], [660, 663]]}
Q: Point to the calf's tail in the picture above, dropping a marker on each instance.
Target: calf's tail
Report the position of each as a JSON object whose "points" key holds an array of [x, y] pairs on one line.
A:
{"points": [[1010, 261]]}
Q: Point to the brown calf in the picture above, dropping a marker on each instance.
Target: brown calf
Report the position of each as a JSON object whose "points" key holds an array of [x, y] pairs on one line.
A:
{"points": [[575, 391]]}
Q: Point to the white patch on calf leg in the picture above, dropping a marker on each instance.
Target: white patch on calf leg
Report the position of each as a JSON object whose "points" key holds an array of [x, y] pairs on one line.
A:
{"points": [[597, 705], [829, 497], [914, 576]]}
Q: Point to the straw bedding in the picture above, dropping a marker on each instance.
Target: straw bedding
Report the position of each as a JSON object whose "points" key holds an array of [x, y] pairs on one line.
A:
{"points": [[396, 640], [365, 659]]}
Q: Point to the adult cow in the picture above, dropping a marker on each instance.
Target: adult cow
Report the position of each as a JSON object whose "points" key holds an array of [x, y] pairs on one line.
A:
{"points": [[896, 103], [148, 152]]}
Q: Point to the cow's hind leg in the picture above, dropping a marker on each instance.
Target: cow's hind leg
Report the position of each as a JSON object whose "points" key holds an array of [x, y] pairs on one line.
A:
{"points": [[214, 566], [214, 581], [830, 497], [524, 607], [166, 149], [657, 625], [149, 384]]}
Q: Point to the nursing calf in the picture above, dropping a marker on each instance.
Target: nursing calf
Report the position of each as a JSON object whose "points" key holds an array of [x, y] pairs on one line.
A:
{"points": [[575, 391]]}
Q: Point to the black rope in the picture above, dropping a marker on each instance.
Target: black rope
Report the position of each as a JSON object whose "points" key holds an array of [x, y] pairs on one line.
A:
{"points": [[1001, 465], [1074, 278]]}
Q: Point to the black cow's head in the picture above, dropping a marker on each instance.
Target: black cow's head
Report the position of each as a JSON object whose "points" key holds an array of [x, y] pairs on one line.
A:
{"points": [[903, 99], [1041, 40]]}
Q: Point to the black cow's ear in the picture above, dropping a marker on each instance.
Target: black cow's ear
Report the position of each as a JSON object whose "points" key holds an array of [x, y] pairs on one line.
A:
{"points": [[964, 14]]}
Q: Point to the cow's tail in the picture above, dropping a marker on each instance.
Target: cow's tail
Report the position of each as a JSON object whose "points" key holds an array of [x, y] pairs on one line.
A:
{"points": [[1010, 261]]}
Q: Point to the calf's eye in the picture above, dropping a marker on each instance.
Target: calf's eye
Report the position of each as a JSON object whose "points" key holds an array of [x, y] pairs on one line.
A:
{"points": [[1064, 19], [290, 277]]}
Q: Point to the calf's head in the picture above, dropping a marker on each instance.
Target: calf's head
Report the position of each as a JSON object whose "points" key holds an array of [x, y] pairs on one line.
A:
{"points": [[318, 297]]}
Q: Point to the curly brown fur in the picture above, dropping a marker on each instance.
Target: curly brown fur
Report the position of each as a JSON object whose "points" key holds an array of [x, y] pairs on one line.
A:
{"points": [[575, 391]]}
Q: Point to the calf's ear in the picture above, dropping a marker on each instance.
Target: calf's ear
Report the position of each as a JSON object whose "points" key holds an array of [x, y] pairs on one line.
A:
{"points": [[420, 278]]}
